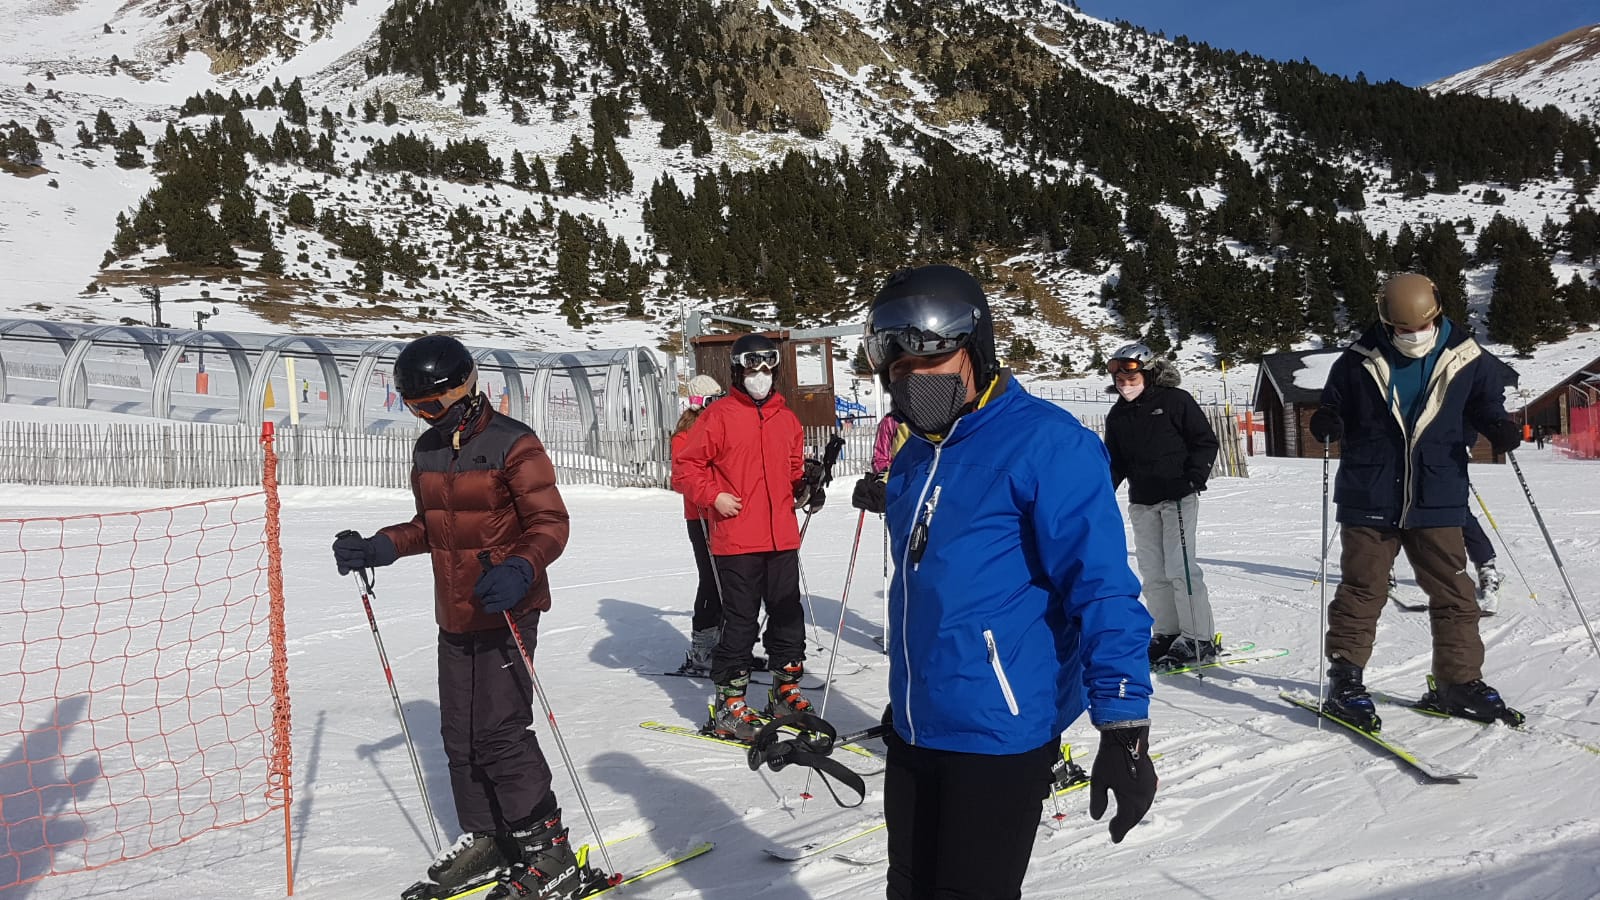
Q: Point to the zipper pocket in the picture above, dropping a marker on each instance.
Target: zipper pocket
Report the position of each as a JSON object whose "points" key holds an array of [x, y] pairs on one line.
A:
{"points": [[1000, 673]]}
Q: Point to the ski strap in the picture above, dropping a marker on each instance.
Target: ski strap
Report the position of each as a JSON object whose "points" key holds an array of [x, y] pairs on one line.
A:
{"points": [[810, 747]]}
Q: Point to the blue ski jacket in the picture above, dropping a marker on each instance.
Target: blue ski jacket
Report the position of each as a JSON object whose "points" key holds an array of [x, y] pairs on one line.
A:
{"points": [[1019, 610]]}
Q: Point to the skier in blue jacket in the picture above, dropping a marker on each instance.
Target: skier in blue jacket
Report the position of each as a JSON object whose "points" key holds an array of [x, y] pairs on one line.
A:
{"points": [[1013, 606]]}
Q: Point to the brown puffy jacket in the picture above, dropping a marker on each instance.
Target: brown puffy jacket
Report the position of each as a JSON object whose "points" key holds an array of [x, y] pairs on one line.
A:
{"points": [[497, 493]]}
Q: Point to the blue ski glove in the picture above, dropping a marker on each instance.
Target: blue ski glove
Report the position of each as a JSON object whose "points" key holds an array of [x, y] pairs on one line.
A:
{"points": [[1123, 768], [351, 551], [504, 586]]}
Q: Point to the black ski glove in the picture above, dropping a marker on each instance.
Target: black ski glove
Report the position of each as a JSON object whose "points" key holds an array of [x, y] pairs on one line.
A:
{"points": [[1123, 768], [503, 587], [351, 551], [1197, 482], [817, 498], [1504, 436], [1326, 425], [870, 494]]}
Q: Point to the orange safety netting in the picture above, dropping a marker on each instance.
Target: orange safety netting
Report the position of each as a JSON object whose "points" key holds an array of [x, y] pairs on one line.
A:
{"points": [[137, 688]]}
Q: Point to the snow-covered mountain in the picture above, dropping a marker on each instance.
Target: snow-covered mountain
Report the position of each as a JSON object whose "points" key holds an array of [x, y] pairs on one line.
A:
{"points": [[757, 157], [1563, 71]]}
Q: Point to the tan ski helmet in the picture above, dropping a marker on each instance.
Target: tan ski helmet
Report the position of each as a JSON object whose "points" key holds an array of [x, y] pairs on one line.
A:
{"points": [[1409, 301]]}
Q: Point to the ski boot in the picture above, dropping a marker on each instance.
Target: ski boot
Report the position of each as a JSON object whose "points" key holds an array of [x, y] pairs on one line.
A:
{"points": [[1159, 645], [1473, 700], [476, 858], [701, 644], [1489, 579], [1348, 700], [545, 867], [1065, 773], [1185, 652], [785, 698], [731, 717]]}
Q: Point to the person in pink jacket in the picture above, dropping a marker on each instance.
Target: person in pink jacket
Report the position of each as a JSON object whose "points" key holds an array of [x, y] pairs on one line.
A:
{"points": [[888, 441]]}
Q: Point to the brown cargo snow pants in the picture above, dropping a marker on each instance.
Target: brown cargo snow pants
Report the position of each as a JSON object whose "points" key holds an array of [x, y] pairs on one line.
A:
{"points": [[1439, 558]]}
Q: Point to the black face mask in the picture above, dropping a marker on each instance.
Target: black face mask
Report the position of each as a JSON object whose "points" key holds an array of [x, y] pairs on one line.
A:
{"points": [[929, 403], [459, 412]]}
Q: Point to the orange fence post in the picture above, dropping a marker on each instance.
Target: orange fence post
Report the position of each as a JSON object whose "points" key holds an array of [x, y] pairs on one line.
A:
{"points": [[280, 768]]}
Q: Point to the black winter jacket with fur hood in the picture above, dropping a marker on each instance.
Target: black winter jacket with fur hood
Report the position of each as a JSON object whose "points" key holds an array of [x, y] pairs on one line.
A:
{"points": [[1160, 442]]}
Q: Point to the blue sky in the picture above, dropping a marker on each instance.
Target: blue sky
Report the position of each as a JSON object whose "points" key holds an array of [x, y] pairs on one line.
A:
{"points": [[1411, 41]]}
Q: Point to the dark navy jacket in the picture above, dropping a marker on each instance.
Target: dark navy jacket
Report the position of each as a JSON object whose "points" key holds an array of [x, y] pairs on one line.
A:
{"points": [[1399, 477], [1022, 611]]}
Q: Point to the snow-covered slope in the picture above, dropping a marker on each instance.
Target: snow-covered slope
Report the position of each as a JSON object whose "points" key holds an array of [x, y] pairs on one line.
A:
{"points": [[498, 285], [1563, 71]]}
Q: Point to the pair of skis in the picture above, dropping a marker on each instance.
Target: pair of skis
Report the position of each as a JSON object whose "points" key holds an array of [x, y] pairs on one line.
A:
{"points": [[1229, 656], [1512, 719], [594, 881]]}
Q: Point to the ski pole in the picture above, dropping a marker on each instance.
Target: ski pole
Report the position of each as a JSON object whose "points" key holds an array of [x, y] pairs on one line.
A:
{"points": [[364, 576], [1505, 544], [1183, 543], [833, 658], [613, 876], [805, 589], [1556, 556], [1322, 579]]}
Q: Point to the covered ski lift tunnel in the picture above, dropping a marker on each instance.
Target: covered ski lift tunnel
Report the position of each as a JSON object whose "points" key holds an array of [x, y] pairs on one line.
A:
{"points": [[344, 384]]}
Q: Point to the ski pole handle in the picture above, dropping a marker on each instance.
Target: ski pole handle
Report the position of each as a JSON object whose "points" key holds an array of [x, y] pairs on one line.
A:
{"points": [[364, 574]]}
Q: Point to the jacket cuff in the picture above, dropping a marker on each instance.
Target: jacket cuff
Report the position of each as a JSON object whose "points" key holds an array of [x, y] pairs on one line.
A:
{"points": [[1125, 723]]}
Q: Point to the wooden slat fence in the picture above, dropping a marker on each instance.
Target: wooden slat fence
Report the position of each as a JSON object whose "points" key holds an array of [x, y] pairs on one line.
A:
{"points": [[185, 455]]}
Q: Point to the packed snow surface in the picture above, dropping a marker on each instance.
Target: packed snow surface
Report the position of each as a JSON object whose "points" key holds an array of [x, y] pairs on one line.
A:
{"points": [[1255, 799]]}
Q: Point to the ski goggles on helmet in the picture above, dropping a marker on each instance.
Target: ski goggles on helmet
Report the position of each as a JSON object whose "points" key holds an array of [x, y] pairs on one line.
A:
{"points": [[755, 360], [1124, 366], [917, 326]]}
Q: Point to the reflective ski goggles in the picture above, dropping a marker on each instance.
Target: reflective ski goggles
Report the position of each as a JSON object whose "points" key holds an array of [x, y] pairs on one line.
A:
{"points": [[916, 326], [429, 408], [1124, 366], [433, 407], [758, 359]]}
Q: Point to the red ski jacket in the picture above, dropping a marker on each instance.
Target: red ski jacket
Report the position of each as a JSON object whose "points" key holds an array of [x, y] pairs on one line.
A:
{"points": [[756, 453], [679, 442]]}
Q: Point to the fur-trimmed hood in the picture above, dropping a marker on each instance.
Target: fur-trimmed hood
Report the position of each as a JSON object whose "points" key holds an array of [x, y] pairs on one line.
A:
{"points": [[1160, 373]]}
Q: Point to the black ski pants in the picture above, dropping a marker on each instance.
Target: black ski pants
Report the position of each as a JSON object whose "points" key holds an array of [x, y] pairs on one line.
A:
{"points": [[961, 825], [707, 598], [497, 771], [748, 580], [1479, 550]]}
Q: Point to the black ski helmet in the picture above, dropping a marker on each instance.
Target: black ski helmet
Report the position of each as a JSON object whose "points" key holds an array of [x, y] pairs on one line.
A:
{"points": [[433, 365], [928, 311], [751, 343]]}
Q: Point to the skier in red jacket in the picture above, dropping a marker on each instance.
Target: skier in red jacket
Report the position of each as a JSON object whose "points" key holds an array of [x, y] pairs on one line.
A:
{"points": [[745, 463]]}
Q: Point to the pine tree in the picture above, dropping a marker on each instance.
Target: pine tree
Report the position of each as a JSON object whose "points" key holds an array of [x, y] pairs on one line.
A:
{"points": [[1523, 309], [104, 129], [541, 178], [520, 172], [391, 115], [43, 131], [301, 210]]}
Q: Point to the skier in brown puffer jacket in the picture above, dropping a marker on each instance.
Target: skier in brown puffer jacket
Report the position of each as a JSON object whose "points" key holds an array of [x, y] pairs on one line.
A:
{"points": [[490, 517]]}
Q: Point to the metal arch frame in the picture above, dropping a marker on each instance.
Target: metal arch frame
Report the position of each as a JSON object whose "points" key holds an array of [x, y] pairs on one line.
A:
{"points": [[72, 389], [256, 397], [54, 330], [510, 368], [161, 392], [355, 410]]}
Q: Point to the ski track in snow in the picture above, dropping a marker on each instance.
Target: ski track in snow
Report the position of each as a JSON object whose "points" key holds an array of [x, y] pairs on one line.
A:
{"points": [[1255, 798]]}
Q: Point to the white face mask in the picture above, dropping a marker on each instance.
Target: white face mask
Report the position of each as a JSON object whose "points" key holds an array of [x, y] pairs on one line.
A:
{"points": [[1130, 392], [758, 385], [1416, 344]]}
